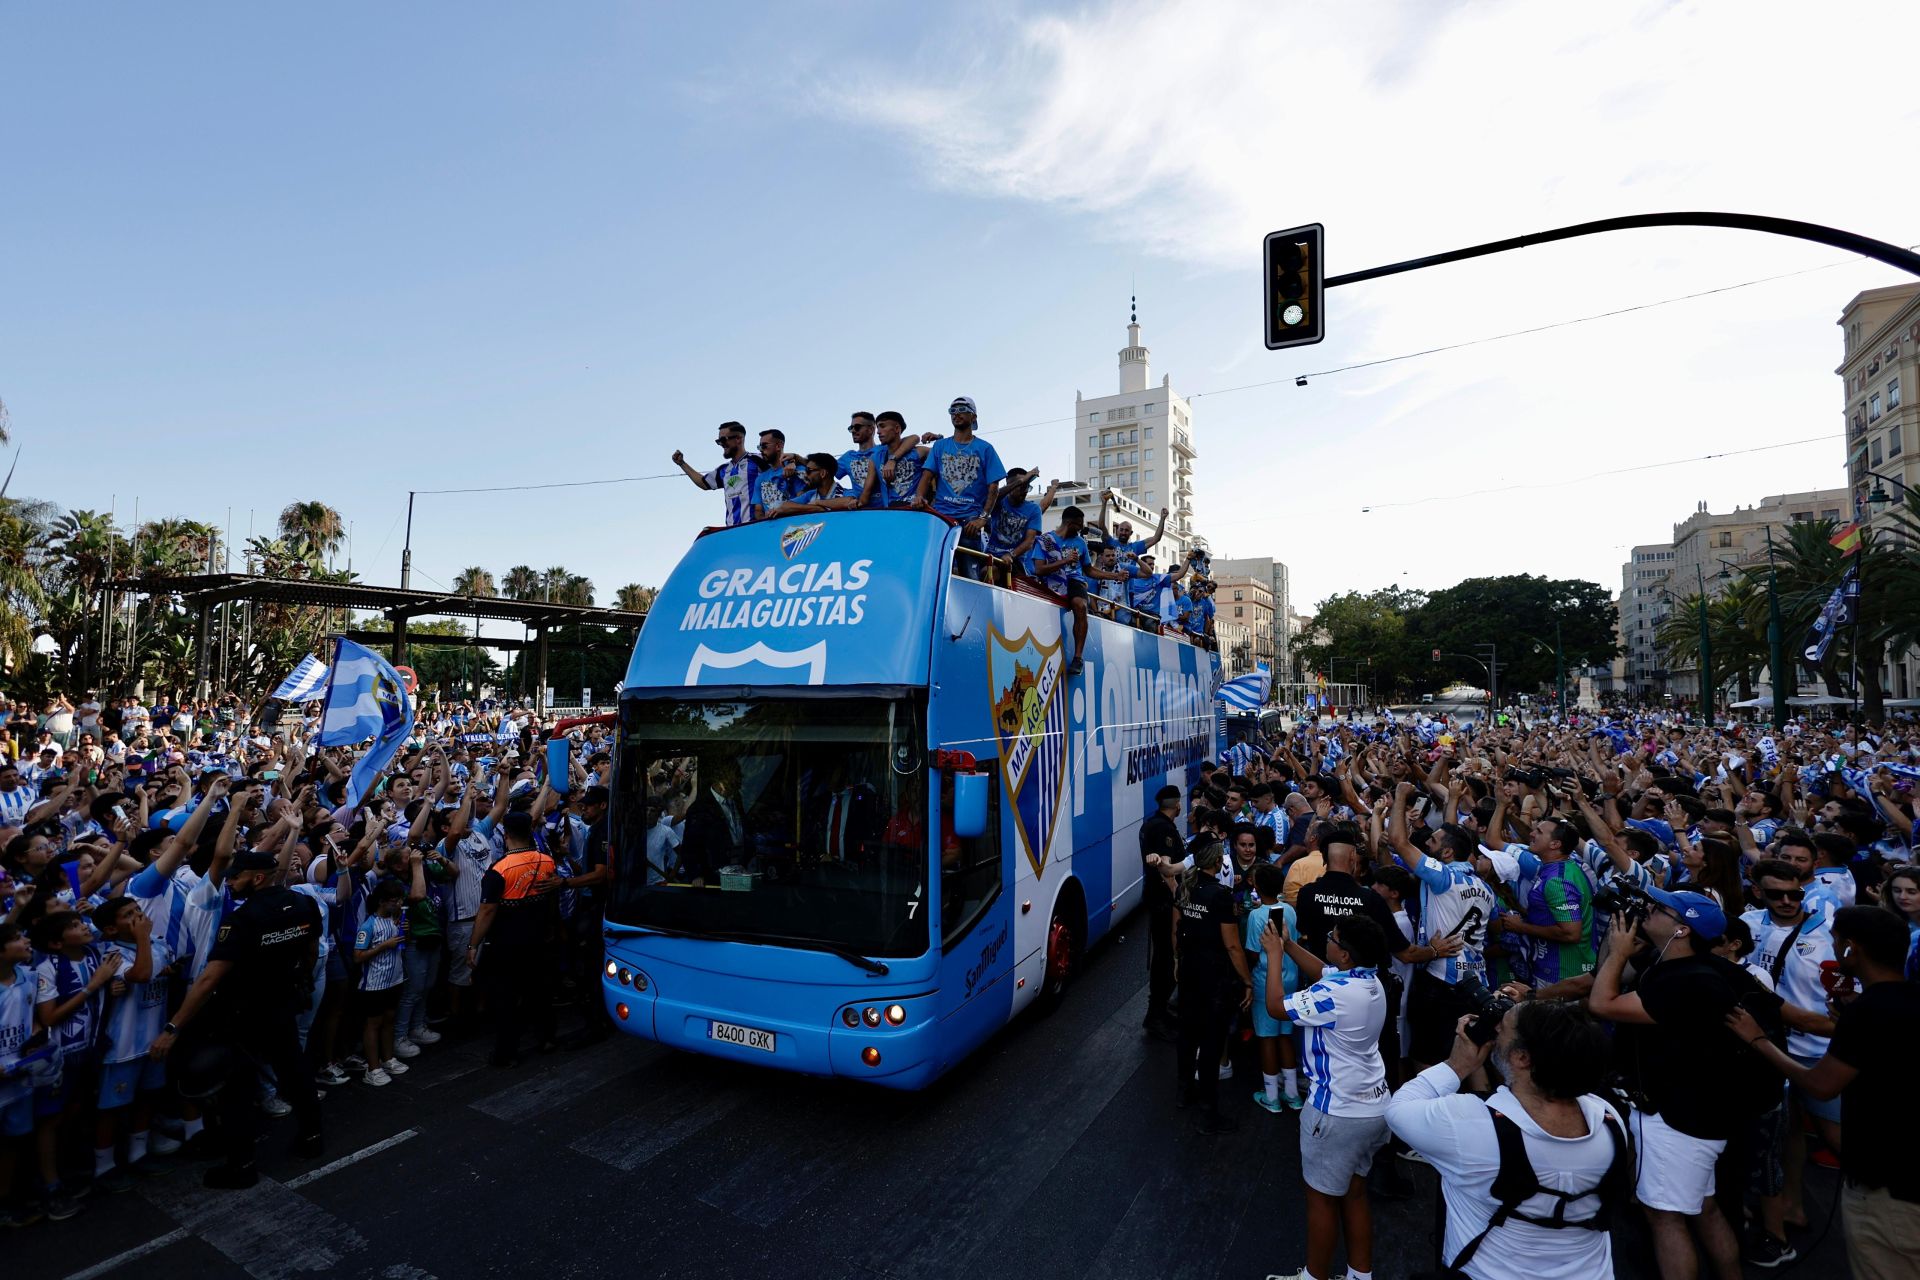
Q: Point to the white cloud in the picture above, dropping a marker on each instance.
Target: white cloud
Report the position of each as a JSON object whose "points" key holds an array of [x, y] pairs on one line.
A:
{"points": [[1189, 128]]}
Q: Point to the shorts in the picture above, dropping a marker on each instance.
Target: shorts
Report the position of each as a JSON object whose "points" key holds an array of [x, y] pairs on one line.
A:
{"points": [[1265, 1025], [1076, 589], [16, 1117], [336, 966], [76, 1078], [1434, 1009], [459, 934], [1819, 1108], [121, 1082], [374, 1004], [1334, 1150], [1676, 1169]]}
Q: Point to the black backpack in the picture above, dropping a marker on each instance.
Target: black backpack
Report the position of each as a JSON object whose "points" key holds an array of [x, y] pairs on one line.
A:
{"points": [[1516, 1183]]}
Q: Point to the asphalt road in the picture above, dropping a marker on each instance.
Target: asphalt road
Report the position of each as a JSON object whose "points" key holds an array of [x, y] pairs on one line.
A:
{"points": [[1056, 1152]]}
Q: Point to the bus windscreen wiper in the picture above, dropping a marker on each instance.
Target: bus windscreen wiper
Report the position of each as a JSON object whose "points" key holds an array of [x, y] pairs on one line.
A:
{"points": [[852, 957]]}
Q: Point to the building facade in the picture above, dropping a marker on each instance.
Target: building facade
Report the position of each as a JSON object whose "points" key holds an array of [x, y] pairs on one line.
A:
{"points": [[1244, 602], [1139, 443], [1880, 365], [1278, 602]]}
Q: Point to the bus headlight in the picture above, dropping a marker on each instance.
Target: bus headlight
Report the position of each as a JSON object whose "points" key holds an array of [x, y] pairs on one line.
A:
{"points": [[613, 969], [850, 1016], [896, 1014], [870, 1016]]}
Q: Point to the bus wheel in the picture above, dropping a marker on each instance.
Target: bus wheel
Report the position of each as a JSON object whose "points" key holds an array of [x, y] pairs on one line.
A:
{"points": [[1061, 946]]}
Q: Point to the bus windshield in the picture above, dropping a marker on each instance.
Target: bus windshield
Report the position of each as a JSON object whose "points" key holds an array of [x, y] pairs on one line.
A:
{"points": [[795, 820]]}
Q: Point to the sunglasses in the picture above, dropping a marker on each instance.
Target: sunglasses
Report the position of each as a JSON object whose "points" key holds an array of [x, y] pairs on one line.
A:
{"points": [[1785, 895], [728, 439]]}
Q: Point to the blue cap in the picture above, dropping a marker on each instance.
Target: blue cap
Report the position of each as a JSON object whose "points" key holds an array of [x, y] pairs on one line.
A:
{"points": [[1657, 828], [1701, 913]]}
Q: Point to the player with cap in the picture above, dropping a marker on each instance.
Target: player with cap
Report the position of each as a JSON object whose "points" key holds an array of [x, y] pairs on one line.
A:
{"points": [[961, 481], [239, 1015]]}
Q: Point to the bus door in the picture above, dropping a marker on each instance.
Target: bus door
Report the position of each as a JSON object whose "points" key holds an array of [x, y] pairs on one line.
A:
{"points": [[976, 923]]}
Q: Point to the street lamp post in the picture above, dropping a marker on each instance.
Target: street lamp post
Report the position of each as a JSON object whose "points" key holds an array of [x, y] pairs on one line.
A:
{"points": [[1560, 670], [1775, 654], [1706, 650]]}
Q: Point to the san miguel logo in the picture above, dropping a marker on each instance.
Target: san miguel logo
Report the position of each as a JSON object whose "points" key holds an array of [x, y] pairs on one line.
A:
{"points": [[1030, 724], [796, 538]]}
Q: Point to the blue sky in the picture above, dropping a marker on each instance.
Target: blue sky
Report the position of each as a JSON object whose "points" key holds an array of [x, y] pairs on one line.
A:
{"points": [[256, 254]]}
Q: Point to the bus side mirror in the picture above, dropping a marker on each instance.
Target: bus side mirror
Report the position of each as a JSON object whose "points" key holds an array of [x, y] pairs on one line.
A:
{"points": [[969, 805]]}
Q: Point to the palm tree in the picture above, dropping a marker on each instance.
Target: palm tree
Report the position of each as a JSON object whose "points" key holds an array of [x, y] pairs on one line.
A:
{"points": [[314, 523], [523, 582], [634, 598], [473, 582], [21, 596]]}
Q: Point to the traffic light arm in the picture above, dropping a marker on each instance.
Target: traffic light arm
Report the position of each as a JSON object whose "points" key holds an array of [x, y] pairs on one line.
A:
{"points": [[1878, 250]]}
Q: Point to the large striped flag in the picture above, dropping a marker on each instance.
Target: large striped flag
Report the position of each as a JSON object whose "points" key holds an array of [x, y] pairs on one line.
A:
{"points": [[305, 683], [1248, 692], [365, 699]]}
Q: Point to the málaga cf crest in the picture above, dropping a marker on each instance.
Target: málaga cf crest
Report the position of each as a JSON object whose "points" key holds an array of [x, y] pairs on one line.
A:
{"points": [[1030, 723]]}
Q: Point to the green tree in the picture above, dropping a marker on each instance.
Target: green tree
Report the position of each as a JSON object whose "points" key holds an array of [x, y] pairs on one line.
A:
{"points": [[1367, 632], [523, 582], [1519, 614], [475, 582], [453, 671], [314, 523], [634, 598]]}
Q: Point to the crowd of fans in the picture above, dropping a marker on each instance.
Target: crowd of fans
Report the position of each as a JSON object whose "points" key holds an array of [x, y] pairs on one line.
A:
{"points": [[1576, 967], [1093, 566], [197, 932]]}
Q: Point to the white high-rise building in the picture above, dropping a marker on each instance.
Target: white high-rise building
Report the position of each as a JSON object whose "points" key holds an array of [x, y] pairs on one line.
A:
{"points": [[1138, 443]]}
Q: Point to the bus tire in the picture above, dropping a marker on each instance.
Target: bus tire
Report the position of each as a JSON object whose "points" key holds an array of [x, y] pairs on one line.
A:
{"points": [[1066, 945]]}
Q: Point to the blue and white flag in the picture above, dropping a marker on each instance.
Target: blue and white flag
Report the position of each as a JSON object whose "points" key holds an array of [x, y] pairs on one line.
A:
{"points": [[365, 699], [1248, 692], [1769, 751], [305, 683]]}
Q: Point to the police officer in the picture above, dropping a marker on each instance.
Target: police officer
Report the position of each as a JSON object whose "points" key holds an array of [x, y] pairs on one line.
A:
{"points": [[1160, 839], [239, 1016], [519, 925]]}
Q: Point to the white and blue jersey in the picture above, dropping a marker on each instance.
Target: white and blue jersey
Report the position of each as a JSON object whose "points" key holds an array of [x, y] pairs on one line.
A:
{"points": [[1007, 528], [1799, 982], [58, 978], [1148, 593], [810, 496], [165, 900], [1765, 830], [1831, 889], [739, 483], [388, 969], [1274, 820], [1199, 614], [963, 471], [14, 804], [1343, 1014], [16, 1026], [134, 1017], [322, 898], [1127, 554], [898, 491], [1454, 903]]}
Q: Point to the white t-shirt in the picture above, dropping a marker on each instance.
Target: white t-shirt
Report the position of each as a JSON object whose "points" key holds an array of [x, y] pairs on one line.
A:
{"points": [[1454, 902], [1343, 1014], [663, 841], [1455, 1133], [1800, 973]]}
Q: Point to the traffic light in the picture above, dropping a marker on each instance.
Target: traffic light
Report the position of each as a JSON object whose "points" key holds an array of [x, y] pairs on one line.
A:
{"points": [[1294, 287]]}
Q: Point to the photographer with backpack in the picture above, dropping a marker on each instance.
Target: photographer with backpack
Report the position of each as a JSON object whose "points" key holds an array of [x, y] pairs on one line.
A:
{"points": [[1697, 1087], [1532, 1174]]}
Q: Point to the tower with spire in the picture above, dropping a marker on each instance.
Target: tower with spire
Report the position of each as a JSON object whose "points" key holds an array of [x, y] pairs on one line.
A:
{"points": [[1138, 442]]}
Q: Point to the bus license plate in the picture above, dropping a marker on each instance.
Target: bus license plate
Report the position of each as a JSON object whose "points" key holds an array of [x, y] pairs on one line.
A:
{"points": [[745, 1037]]}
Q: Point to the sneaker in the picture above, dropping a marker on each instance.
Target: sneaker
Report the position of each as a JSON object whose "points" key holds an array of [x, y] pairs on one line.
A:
{"points": [[405, 1049], [274, 1105], [1226, 1071], [354, 1062], [160, 1144], [1265, 1103], [376, 1077], [172, 1126], [19, 1215], [1764, 1251], [425, 1035], [1073, 668], [226, 1177], [331, 1075], [395, 1067], [115, 1180], [1293, 1101], [1413, 1157], [58, 1206]]}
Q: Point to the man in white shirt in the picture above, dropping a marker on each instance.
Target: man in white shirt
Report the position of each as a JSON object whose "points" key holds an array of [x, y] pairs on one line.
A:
{"points": [[1344, 1122], [1572, 1163]]}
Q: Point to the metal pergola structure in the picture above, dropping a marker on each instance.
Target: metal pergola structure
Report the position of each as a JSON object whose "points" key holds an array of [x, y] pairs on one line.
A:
{"points": [[204, 592]]}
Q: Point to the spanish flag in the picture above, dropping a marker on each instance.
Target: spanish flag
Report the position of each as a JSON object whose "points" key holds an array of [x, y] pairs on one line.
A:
{"points": [[1848, 539]]}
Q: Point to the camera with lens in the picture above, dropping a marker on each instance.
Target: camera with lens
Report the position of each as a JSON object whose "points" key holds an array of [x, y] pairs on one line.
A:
{"points": [[1619, 898], [1488, 1008]]}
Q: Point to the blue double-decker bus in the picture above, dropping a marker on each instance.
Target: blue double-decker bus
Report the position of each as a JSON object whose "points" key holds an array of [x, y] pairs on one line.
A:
{"points": [[862, 816]]}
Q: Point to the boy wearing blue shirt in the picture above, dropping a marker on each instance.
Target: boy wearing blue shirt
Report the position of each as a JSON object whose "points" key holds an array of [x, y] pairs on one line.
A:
{"points": [[859, 463], [737, 477], [961, 479], [1126, 547], [1014, 526], [1200, 615], [1147, 592], [898, 458]]}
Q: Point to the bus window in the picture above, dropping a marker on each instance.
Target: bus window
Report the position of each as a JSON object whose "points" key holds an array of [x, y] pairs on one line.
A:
{"points": [[969, 868]]}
